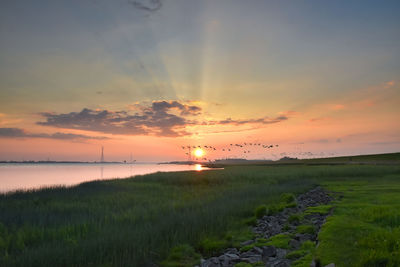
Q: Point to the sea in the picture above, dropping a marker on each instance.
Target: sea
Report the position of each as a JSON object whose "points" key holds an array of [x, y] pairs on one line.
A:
{"points": [[26, 176]]}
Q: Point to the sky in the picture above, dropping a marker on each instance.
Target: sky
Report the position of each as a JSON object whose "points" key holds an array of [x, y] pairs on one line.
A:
{"points": [[316, 78]]}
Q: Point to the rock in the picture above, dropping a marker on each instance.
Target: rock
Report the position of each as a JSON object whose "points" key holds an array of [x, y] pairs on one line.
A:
{"points": [[212, 262], [330, 265], [231, 251], [268, 251], [232, 257], [248, 254], [252, 259], [303, 237], [281, 253], [248, 242], [294, 243], [279, 263], [271, 225], [257, 250], [313, 263], [283, 263]]}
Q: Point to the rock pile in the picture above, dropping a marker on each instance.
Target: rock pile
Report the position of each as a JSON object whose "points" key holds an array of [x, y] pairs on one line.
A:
{"points": [[280, 223]]}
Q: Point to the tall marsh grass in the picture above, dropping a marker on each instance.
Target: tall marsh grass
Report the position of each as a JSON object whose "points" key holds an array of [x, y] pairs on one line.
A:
{"points": [[136, 221]]}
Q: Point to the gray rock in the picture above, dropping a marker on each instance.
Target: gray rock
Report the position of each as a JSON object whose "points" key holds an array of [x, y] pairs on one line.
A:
{"points": [[232, 257], [268, 251], [281, 253], [294, 243], [248, 242], [330, 265], [231, 251], [257, 250], [283, 263], [279, 263], [212, 262], [313, 263], [303, 237], [252, 259]]}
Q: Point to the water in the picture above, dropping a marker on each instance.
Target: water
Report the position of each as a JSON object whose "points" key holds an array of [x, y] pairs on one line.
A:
{"points": [[24, 176]]}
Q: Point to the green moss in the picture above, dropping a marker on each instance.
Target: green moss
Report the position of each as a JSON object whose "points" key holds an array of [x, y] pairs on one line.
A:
{"points": [[308, 245], [246, 248], [260, 211], [322, 209], [295, 218], [296, 254], [239, 235], [304, 261], [306, 229], [182, 256], [288, 198], [304, 254], [211, 245], [243, 264], [291, 205], [280, 241], [272, 210], [286, 227]]}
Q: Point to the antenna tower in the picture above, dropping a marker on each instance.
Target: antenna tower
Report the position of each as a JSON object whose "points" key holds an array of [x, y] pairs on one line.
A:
{"points": [[102, 154]]}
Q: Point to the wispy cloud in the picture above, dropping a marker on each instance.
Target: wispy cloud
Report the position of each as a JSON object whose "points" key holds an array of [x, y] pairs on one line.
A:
{"points": [[21, 133], [147, 5], [265, 120]]}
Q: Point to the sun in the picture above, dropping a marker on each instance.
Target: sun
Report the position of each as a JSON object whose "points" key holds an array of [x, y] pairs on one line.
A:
{"points": [[199, 152]]}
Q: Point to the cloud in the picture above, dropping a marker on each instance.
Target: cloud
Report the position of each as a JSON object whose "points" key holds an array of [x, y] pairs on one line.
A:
{"points": [[289, 113], [162, 118], [265, 120], [147, 5], [21, 133]]}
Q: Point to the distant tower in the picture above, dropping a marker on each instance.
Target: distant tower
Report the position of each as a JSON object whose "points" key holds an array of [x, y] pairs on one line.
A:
{"points": [[102, 154]]}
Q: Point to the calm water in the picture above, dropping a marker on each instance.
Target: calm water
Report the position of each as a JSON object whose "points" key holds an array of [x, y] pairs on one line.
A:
{"points": [[27, 176]]}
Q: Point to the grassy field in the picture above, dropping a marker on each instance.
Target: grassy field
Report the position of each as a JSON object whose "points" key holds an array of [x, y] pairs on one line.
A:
{"points": [[365, 227], [137, 221]]}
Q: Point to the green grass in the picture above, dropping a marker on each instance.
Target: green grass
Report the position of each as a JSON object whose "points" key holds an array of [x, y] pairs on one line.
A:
{"points": [[306, 229], [366, 222], [139, 221], [280, 241], [182, 256], [322, 209], [295, 218], [260, 211]]}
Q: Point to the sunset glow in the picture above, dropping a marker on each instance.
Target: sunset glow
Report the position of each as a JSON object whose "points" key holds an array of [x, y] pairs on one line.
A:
{"points": [[199, 153]]}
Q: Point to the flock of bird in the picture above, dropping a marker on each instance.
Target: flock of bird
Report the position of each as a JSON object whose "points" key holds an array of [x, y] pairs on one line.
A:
{"points": [[245, 148]]}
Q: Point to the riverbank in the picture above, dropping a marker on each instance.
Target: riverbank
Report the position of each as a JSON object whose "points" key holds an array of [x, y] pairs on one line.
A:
{"points": [[148, 220]]}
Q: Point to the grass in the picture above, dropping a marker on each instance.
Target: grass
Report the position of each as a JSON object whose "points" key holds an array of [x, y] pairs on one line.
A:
{"points": [[306, 229], [145, 220], [366, 222], [322, 209], [260, 211], [183, 255], [280, 241]]}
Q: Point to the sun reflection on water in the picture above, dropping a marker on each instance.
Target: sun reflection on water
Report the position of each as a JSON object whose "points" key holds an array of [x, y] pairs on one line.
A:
{"points": [[198, 167]]}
